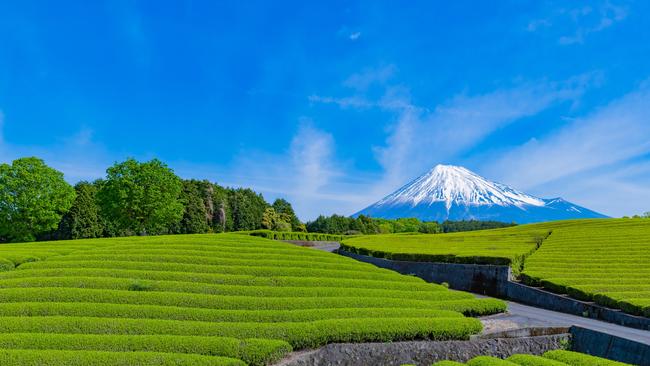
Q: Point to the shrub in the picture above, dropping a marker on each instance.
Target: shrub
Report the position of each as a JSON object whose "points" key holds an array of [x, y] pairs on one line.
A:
{"points": [[579, 359], [98, 358], [489, 361]]}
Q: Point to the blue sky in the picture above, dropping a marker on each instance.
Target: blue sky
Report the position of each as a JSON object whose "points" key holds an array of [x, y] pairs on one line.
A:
{"points": [[334, 105]]}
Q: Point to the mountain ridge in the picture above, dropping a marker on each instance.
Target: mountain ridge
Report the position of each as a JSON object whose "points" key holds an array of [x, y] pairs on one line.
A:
{"points": [[449, 192]]}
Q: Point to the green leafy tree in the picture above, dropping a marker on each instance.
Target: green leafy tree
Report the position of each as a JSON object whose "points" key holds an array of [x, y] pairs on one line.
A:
{"points": [[247, 208], [83, 220], [33, 198], [195, 215], [269, 218], [429, 228], [142, 198], [221, 212], [283, 207]]}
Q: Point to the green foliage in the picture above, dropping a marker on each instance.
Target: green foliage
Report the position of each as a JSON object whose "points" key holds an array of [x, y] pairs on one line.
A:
{"points": [[31, 357], [207, 295], [283, 207], [247, 208], [255, 352], [471, 225], [83, 220], [135, 199], [489, 361], [603, 260], [142, 198], [579, 359], [281, 235], [551, 358], [197, 218], [530, 360], [272, 220], [499, 246], [33, 198], [336, 224]]}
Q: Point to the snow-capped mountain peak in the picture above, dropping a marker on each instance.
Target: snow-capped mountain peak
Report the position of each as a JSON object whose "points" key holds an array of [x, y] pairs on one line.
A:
{"points": [[449, 192], [457, 185]]}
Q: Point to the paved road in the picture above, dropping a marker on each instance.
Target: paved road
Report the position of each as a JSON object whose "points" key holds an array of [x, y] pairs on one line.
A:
{"points": [[327, 246], [530, 316], [522, 316]]}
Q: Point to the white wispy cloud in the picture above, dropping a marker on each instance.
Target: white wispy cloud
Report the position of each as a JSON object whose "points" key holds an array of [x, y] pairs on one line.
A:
{"points": [[343, 102], [420, 137], [574, 25], [307, 173], [354, 36], [370, 76], [311, 154], [608, 137]]}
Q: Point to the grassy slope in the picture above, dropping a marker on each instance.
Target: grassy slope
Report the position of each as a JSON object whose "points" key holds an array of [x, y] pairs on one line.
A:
{"points": [[207, 299], [496, 246], [602, 260]]}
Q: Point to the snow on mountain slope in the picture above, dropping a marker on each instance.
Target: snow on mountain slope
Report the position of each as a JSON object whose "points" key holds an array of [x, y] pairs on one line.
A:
{"points": [[449, 192], [454, 184]]}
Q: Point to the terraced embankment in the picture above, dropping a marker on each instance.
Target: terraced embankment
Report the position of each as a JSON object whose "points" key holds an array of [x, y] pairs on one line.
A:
{"points": [[208, 300], [600, 260], [606, 261]]}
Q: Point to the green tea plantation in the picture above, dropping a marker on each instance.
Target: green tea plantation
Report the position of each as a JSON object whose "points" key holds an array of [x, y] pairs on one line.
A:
{"points": [[601, 260], [222, 299], [606, 261]]}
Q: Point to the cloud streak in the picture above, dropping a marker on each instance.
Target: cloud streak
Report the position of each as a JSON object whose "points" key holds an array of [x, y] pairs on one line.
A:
{"points": [[421, 137], [581, 21], [610, 136]]}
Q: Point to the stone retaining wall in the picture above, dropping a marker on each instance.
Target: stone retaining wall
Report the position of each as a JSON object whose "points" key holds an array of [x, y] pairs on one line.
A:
{"points": [[423, 352], [481, 279], [497, 281], [551, 301], [609, 346]]}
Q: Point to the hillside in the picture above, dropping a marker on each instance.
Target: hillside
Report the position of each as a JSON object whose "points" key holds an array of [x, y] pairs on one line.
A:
{"points": [[221, 299], [601, 260]]}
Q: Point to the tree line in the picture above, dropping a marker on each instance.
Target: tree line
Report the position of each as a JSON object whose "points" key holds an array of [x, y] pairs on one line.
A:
{"points": [[147, 198], [337, 224], [135, 198]]}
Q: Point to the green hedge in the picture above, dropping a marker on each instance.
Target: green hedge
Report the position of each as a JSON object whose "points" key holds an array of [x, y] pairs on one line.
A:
{"points": [[362, 272], [284, 235], [6, 265], [298, 334], [203, 288], [255, 352], [530, 360], [580, 359], [53, 294], [551, 358], [99, 358], [81, 309], [227, 279], [489, 361], [213, 261]]}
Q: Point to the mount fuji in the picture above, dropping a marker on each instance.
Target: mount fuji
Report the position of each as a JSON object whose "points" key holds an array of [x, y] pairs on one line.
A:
{"points": [[449, 192]]}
